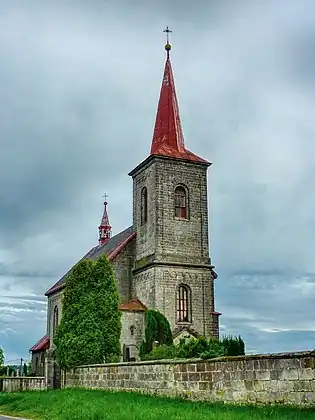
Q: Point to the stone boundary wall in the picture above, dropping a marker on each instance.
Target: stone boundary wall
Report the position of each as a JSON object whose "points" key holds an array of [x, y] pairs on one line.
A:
{"points": [[22, 383], [282, 378]]}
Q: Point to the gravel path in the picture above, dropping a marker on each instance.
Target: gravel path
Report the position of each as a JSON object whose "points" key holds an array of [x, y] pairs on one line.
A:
{"points": [[10, 418]]}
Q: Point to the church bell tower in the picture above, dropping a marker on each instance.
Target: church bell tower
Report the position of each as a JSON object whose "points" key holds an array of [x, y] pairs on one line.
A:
{"points": [[173, 271]]}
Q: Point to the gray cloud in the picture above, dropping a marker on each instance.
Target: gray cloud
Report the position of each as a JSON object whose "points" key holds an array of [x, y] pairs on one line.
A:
{"points": [[80, 88]]}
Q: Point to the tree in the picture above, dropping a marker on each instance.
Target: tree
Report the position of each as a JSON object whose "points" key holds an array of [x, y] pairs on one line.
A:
{"points": [[157, 328], [1, 357], [90, 327], [25, 369]]}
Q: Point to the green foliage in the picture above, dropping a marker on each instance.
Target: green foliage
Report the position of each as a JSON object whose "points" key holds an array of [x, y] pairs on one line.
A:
{"points": [[90, 327], [25, 369], [29, 368], [193, 347], [215, 349], [234, 346], [7, 370], [162, 352], [198, 348], [157, 328], [1, 357]]}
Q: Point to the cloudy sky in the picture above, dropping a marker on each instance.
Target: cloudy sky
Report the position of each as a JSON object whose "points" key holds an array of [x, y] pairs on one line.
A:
{"points": [[79, 83]]}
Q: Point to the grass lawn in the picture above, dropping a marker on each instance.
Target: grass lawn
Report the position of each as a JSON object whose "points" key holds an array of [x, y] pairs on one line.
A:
{"points": [[74, 404]]}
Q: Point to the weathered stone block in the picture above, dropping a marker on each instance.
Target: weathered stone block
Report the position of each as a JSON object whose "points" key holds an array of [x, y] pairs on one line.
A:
{"points": [[191, 367], [306, 373], [288, 374], [201, 367], [274, 374], [262, 375], [258, 386], [203, 386], [249, 364], [249, 385], [206, 376], [249, 375], [193, 376], [308, 363], [285, 386], [302, 386]]}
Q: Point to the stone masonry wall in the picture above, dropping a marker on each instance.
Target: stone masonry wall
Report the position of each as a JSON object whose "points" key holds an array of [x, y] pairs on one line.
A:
{"points": [[132, 333], [122, 266], [276, 378], [24, 383], [172, 251], [182, 240], [54, 299], [166, 237]]}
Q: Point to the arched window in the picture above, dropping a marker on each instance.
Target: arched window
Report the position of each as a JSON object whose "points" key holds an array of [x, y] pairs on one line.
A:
{"points": [[183, 304], [181, 202], [55, 319], [132, 330], [144, 205]]}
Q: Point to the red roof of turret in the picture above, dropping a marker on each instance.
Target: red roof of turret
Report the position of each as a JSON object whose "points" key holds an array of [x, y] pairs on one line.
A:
{"points": [[168, 138]]}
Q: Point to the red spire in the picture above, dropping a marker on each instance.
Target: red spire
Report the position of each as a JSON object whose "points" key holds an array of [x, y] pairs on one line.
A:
{"points": [[104, 228], [168, 139]]}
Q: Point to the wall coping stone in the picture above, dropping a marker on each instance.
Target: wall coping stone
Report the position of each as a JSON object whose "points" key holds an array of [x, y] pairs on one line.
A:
{"points": [[288, 355]]}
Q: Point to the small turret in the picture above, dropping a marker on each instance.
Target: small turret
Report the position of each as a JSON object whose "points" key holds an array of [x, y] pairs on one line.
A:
{"points": [[104, 228]]}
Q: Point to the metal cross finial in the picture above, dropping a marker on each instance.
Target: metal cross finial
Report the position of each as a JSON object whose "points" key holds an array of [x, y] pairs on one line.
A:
{"points": [[168, 45], [168, 31], [105, 197]]}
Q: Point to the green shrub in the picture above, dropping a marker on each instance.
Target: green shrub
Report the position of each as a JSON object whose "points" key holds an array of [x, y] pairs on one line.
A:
{"points": [[215, 349], [157, 328], [234, 346], [162, 352], [200, 347]]}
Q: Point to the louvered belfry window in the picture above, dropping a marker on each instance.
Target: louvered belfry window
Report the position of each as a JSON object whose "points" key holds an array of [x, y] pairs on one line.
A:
{"points": [[180, 202], [182, 304]]}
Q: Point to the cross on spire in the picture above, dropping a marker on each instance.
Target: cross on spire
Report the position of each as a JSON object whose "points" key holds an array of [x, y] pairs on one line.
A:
{"points": [[105, 197], [168, 138], [168, 31], [167, 45]]}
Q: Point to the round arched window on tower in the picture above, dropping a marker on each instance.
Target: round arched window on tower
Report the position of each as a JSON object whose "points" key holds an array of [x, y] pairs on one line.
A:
{"points": [[181, 210]]}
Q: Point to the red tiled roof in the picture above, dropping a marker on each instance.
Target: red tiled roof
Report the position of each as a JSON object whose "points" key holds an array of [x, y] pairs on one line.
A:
{"points": [[134, 305], [42, 344], [168, 138]]}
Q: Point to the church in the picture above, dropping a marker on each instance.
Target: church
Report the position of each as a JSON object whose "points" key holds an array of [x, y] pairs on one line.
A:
{"points": [[162, 261]]}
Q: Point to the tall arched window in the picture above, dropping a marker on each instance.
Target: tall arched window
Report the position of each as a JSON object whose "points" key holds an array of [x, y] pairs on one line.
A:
{"points": [[181, 202], [55, 319], [144, 205], [183, 304]]}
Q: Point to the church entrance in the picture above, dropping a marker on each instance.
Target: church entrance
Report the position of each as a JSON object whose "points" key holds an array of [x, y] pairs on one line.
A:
{"points": [[127, 357]]}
